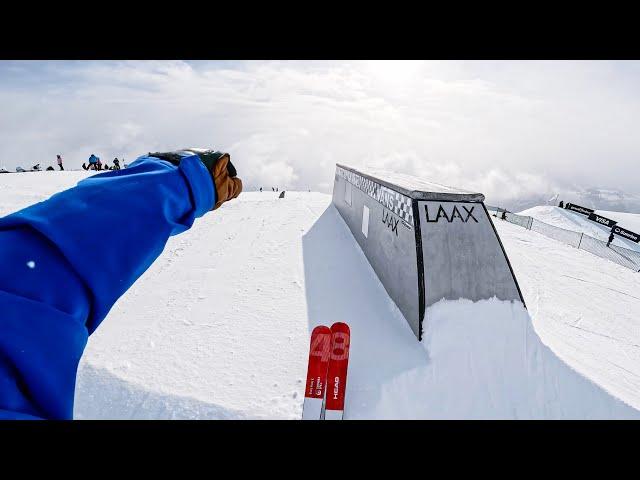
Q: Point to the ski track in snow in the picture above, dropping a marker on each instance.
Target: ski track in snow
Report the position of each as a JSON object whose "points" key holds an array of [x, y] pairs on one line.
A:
{"points": [[219, 325]]}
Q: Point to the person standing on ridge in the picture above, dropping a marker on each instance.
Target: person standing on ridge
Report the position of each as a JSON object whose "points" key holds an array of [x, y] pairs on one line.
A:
{"points": [[59, 159], [44, 328], [611, 238]]}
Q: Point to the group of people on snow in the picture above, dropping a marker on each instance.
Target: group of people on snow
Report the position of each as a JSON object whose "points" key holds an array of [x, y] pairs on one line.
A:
{"points": [[96, 164]]}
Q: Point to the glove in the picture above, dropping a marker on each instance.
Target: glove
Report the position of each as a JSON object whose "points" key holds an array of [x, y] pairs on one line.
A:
{"points": [[218, 164], [228, 185]]}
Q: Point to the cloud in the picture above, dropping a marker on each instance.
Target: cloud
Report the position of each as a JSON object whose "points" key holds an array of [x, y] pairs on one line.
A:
{"points": [[507, 129]]}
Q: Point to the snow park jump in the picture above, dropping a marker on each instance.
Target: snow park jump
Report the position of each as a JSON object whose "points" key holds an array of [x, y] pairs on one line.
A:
{"points": [[439, 257]]}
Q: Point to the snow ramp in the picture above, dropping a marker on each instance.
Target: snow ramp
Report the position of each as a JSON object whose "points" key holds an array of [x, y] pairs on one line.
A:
{"points": [[481, 358]]}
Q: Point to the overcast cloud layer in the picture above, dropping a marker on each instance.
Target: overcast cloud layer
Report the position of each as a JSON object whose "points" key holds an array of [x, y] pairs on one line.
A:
{"points": [[511, 130]]}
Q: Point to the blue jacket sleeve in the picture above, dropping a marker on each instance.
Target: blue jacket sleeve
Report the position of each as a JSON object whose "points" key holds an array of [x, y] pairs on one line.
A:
{"points": [[65, 261]]}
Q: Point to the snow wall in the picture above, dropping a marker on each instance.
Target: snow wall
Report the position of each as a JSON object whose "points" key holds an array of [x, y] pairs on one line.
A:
{"points": [[426, 242]]}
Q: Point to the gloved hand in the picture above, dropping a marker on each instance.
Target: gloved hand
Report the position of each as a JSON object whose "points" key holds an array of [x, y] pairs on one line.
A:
{"points": [[228, 186]]}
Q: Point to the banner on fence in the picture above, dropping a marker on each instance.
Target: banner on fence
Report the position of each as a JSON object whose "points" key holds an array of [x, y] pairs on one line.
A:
{"points": [[607, 222], [579, 209], [628, 234]]}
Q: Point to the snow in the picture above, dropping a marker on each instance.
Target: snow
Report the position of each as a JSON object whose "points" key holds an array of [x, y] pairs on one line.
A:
{"points": [[219, 326], [630, 221], [560, 217], [18, 190], [484, 361], [585, 308]]}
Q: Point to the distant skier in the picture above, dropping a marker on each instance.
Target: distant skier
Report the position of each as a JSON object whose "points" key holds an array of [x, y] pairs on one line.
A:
{"points": [[53, 295], [59, 159], [611, 238], [116, 164], [260, 188], [561, 205]]}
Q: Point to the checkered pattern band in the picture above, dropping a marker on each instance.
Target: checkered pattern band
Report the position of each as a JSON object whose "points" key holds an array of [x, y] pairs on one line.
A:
{"points": [[394, 201]]}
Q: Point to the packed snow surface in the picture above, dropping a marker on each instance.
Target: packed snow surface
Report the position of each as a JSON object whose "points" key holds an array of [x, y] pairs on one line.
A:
{"points": [[219, 326], [484, 361]]}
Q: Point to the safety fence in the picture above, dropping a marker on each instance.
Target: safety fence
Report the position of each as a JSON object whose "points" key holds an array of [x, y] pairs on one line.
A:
{"points": [[620, 255]]}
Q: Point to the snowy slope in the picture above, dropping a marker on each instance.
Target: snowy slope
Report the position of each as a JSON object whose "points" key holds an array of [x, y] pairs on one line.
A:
{"points": [[630, 221], [576, 222], [219, 326], [18, 190], [586, 308]]}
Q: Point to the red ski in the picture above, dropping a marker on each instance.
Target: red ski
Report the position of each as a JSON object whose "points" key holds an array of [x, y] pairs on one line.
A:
{"points": [[337, 372], [319, 353]]}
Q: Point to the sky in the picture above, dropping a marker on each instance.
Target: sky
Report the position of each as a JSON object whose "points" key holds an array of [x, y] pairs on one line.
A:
{"points": [[508, 129]]}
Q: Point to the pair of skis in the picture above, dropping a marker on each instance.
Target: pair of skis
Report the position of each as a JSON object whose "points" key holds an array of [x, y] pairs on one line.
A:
{"points": [[327, 373]]}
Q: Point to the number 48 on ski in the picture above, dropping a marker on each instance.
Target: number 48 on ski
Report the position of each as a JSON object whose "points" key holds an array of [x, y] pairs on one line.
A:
{"points": [[327, 373]]}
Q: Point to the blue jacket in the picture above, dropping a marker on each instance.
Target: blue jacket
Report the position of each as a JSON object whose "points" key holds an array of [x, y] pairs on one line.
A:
{"points": [[54, 291]]}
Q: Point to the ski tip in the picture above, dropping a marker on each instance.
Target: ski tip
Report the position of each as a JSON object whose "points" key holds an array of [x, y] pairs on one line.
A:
{"points": [[340, 327], [320, 329]]}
